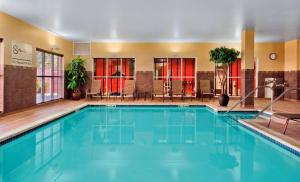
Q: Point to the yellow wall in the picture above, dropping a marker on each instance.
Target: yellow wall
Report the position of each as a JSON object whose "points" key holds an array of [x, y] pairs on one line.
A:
{"points": [[145, 52], [291, 55], [247, 50], [262, 52], [12, 28]]}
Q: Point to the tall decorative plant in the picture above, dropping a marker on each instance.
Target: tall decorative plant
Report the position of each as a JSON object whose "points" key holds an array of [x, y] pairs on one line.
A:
{"points": [[76, 76], [223, 56]]}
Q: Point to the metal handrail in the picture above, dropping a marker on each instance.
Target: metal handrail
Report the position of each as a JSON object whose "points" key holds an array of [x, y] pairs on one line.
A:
{"points": [[274, 101], [252, 92]]}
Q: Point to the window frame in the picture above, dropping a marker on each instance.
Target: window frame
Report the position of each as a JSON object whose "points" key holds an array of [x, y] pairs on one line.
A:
{"points": [[43, 76], [106, 60], [169, 75], [229, 80]]}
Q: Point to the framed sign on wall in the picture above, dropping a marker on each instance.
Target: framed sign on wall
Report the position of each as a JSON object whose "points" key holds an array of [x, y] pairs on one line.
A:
{"points": [[21, 54]]}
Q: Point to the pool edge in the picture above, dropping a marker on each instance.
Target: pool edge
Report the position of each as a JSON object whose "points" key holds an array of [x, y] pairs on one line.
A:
{"points": [[276, 140], [17, 132]]}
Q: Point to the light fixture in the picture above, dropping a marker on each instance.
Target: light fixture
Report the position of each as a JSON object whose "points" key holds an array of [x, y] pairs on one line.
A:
{"points": [[55, 48]]}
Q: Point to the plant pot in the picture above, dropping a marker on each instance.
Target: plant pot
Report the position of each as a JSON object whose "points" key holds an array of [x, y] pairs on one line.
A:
{"points": [[223, 100], [76, 95]]}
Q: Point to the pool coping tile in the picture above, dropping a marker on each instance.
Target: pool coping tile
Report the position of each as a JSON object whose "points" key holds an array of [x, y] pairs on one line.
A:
{"points": [[276, 140]]}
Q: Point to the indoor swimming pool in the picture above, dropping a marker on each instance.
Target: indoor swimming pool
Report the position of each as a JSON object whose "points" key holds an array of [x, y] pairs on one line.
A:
{"points": [[146, 144]]}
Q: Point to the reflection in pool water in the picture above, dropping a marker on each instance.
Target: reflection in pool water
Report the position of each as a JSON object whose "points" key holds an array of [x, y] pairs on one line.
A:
{"points": [[145, 144]]}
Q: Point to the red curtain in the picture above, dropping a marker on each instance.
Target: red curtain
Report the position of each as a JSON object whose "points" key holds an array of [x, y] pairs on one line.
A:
{"points": [[189, 72], [175, 68], [100, 71], [110, 72]]}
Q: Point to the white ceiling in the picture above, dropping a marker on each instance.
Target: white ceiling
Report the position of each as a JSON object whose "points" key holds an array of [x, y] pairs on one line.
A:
{"points": [[160, 20]]}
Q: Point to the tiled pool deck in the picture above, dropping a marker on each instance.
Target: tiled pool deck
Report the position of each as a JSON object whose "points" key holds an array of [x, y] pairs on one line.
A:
{"points": [[19, 122]]}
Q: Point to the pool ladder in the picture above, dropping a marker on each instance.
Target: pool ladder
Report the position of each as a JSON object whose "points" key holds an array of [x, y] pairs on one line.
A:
{"points": [[252, 92], [274, 101], [242, 100]]}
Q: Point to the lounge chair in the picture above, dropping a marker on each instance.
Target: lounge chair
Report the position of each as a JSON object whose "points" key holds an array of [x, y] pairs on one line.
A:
{"points": [[129, 89], [284, 118], [158, 89], [177, 89], [205, 89], [95, 90]]}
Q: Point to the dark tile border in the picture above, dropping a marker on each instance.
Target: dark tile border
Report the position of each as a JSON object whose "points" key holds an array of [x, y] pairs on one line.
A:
{"points": [[274, 141]]}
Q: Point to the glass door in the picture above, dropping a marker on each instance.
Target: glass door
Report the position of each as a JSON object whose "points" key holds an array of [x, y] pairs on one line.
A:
{"points": [[49, 79]]}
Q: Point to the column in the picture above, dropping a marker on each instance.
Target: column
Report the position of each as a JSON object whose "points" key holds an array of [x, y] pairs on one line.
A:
{"points": [[292, 68], [247, 80]]}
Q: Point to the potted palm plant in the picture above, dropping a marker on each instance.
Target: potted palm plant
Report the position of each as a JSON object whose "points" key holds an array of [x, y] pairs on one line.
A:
{"points": [[223, 57], [76, 76]]}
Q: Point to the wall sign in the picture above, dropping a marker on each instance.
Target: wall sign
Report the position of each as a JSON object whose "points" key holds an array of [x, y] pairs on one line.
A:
{"points": [[21, 54]]}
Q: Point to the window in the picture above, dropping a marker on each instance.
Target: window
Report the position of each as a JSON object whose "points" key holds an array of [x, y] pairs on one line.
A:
{"points": [[49, 81], [233, 78], [233, 84], [169, 69], [113, 72]]}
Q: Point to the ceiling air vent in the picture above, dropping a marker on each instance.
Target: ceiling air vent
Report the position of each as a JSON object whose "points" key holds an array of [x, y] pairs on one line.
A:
{"points": [[82, 48]]}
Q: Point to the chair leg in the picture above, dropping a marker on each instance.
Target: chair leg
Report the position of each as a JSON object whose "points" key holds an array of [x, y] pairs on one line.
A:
{"points": [[269, 122], [286, 125]]}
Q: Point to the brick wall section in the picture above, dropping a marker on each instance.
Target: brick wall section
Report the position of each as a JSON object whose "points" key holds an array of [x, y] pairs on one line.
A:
{"points": [[269, 74], [144, 81], [247, 85], [293, 80], [19, 87], [205, 75]]}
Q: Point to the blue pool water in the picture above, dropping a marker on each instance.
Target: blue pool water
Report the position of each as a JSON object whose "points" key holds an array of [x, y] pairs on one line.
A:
{"points": [[143, 144]]}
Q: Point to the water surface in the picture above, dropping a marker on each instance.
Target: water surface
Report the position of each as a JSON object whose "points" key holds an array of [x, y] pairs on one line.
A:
{"points": [[143, 144]]}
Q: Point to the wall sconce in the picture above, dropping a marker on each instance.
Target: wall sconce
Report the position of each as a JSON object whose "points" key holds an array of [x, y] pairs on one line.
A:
{"points": [[55, 48]]}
